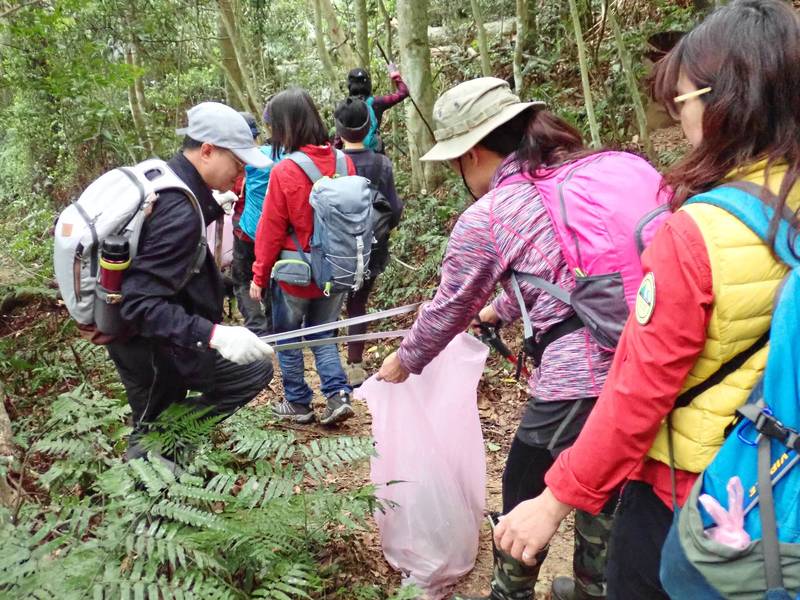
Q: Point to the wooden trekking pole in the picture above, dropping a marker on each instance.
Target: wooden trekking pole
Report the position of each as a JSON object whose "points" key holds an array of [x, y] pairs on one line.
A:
{"points": [[410, 97]]}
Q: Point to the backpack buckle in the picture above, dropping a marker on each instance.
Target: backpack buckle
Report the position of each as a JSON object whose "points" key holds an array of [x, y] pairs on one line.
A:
{"points": [[768, 425]]}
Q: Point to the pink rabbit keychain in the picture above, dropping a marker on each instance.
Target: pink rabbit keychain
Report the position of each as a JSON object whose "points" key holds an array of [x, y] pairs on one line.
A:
{"points": [[730, 523]]}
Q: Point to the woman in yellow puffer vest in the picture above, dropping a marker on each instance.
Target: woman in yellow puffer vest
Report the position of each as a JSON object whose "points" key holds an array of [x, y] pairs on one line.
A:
{"points": [[696, 343]]}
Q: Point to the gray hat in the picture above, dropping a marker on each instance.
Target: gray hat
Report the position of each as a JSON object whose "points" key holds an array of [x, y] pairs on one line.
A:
{"points": [[222, 126], [467, 113]]}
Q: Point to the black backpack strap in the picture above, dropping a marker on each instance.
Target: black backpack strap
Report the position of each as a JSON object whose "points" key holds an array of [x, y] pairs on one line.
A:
{"points": [[533, 348], [726, 369], [202, 245], [536, 349]]}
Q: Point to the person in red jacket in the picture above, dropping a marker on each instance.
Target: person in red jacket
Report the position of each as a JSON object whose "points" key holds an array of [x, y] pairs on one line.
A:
{"points": [[297, 126], [734, 83]]}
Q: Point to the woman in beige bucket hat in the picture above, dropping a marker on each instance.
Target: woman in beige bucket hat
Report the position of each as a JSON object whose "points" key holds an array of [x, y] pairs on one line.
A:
{"points": [[488, 135]]}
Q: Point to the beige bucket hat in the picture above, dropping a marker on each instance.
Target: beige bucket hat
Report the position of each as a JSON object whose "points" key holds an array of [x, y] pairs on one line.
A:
{"points": [[467, 113]]}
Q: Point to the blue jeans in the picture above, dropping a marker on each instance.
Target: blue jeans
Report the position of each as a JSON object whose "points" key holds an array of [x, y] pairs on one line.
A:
{"points": [[290, 312]]}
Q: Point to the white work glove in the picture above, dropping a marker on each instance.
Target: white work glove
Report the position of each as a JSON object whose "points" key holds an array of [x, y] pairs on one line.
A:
{"points": [[226, 200], [239, 345]]}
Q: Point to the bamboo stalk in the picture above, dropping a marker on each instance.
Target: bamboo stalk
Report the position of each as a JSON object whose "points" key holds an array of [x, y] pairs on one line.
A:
{"points": [[322, 50], [362, 32], [587, 92], [633, 87], [483, 46], [522, 32]]}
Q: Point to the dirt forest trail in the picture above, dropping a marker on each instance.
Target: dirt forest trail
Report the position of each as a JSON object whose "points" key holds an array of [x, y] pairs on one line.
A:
{"points": [[500, 404]]}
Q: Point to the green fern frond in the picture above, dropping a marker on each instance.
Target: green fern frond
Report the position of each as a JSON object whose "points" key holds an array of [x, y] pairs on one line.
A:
{"points": [[189, 587], [289, 581], [180, 429], [259, 444], [190, 492], [326, 453], [189, 515], [271, 483], [66, 448], [152, 474], [222, 483], [167, 544]]}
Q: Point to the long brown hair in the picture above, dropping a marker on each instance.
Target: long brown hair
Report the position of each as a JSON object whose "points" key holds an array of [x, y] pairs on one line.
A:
{"points": [[538, 137], [295, 121], [748, 53]]}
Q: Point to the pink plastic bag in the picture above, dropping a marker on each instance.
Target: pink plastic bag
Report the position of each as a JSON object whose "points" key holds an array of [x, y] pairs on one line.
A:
{"points": [[730, 523], [227, 239], [428, 437]]}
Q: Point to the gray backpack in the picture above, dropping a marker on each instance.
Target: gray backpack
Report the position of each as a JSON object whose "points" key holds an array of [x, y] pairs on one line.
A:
{"points": [[343, 230], [116, 203]]}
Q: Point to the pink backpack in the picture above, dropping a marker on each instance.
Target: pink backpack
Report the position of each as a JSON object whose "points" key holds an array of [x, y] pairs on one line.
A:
{"points": [[604, 208]]}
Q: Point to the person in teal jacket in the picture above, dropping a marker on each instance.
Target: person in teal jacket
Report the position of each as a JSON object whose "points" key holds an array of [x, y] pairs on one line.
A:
{"points": [[257, 314]]}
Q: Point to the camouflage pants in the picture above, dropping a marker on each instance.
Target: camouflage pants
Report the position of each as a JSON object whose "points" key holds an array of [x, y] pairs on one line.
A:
{"points": [[591, 550]]}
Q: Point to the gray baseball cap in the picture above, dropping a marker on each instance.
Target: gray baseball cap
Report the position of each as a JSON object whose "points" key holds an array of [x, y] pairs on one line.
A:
{"points": [[222, 126], [468, 112]]}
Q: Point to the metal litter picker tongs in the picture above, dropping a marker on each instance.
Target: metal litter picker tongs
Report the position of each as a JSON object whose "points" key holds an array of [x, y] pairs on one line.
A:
{"points": [[275, 339]]}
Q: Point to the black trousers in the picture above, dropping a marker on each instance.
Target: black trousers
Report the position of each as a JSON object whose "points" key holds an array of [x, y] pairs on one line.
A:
{"points": [[257, 314], [356, 306], [634, 556], [523, 479], [152, 384]]}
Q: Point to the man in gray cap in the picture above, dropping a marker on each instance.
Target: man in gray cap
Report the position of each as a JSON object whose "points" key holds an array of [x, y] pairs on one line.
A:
{"points": [[173, 290]]}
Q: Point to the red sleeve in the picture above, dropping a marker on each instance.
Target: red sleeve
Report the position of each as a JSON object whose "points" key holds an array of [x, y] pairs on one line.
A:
{"points": [[271, 230], [650, 366]]}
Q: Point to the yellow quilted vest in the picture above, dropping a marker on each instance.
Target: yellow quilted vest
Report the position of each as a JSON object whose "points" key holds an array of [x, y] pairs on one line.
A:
{"points": [[745, 277]]}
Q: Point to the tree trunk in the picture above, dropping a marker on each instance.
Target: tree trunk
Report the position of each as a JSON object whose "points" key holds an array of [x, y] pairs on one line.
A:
{"points": [[338, 36], [136, 98], [7, 451], [362, 32], [587, 92], [322, 50], [136, 101], [483, 46], [415, 55], [633, 85], [227, 14], [522, 29], [387, 24], [525, 42], [234, 83]]}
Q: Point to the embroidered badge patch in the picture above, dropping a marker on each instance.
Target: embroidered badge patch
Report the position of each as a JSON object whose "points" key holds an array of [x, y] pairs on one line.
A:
{"points": [[646, 299]]}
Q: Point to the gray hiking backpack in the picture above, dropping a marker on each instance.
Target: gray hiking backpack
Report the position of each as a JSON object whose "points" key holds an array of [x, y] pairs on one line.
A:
{"points": [[343, 227], [114, 204]]}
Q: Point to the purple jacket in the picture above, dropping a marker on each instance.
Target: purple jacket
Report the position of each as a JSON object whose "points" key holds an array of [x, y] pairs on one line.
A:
{"points": [[508, 229]]}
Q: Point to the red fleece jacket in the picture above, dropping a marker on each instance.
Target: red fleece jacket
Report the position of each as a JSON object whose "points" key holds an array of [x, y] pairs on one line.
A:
{"points": [[649, 369], [286, 204]]}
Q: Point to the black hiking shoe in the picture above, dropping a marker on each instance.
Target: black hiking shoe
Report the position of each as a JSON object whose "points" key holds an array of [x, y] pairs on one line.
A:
{"points": [[293, 411], [338, 409]]}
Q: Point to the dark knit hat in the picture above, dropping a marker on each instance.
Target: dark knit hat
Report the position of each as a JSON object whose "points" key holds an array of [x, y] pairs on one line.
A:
{"points": [[359, 83], [352, 119], [251, 123]]}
